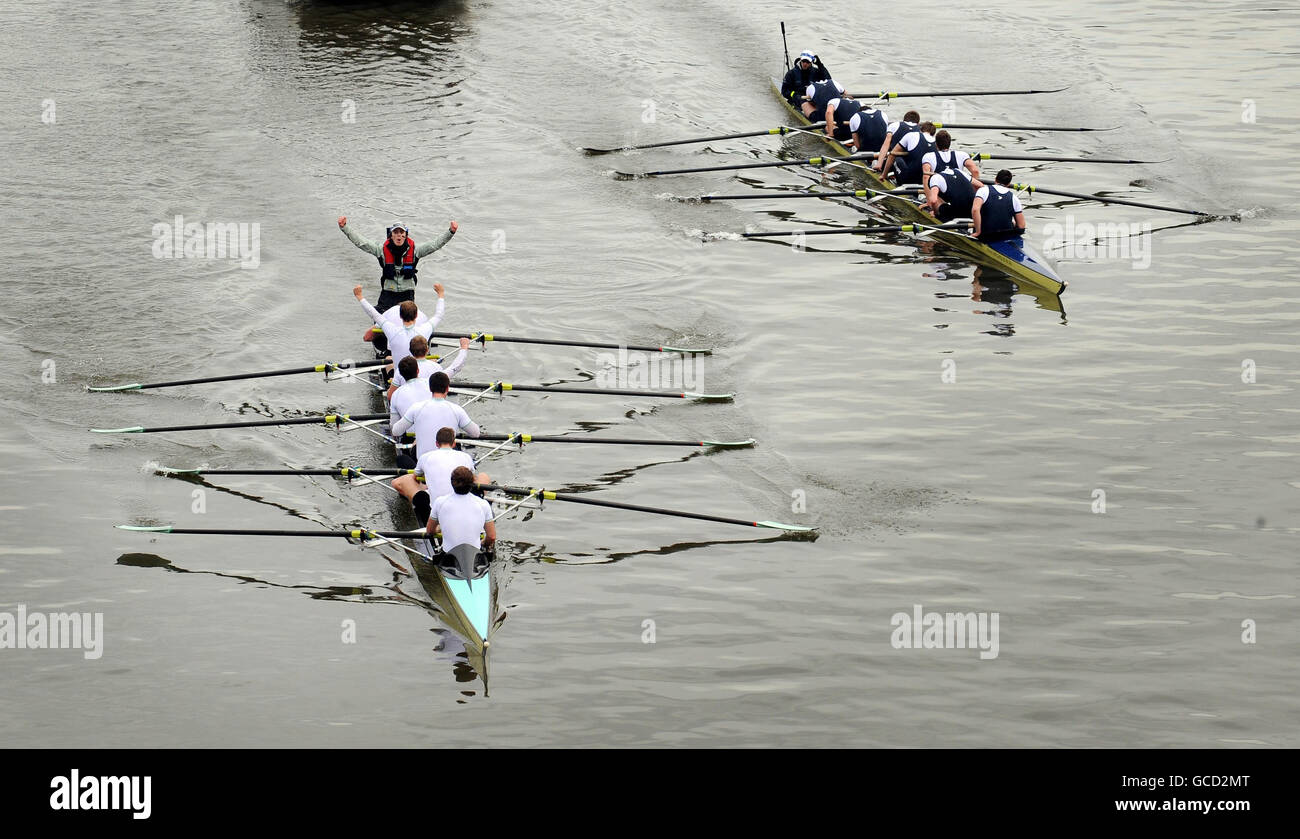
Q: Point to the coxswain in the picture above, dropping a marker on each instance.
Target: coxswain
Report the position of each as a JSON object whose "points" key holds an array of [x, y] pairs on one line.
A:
{"points": [[425, 366], [398, 335], [808, 68], [869, 127], [435, 468], [398, 259], [997, 212], [462, 516], [903, 163], [818, 95], [426, 417]]}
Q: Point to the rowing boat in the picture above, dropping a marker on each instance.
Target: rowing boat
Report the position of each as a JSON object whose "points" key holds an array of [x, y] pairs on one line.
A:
{"points": [[465, 574], [1013, 258]]}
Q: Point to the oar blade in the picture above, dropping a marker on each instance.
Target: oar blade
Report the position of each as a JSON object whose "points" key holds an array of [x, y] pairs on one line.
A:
{"points": [[789, 528], [729, 444], [134, 429], [113, 388]]}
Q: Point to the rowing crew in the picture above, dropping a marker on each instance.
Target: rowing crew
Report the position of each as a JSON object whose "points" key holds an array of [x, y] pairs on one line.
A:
{"points": [[910, 152], [446, 501], [417, 396]]}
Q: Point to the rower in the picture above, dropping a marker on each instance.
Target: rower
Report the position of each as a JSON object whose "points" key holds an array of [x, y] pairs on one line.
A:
{"points": [[950, 193], [818, 95], [944, 157], [909, 123], [868, 127], [462, 516], [997, 212], [911, 146], [435, 468], [808, 68], [839, 113], [425, 366], [949, 179], [432, 414], [415, 388], [398, 335], [398, 257]]}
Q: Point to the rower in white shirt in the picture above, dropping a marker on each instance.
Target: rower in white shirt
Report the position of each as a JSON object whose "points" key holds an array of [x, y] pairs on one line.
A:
{"points": [[415, 389], [426, 366], [428, 417], [462, 517], [399, 334], [435, 468]]}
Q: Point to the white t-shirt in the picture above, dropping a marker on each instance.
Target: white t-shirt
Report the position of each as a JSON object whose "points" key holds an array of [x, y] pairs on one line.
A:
{"points": [[956, 158], [855, 121], [428, 367], [812, 89], [407, 396], [983, 194], [894, 126], [428, 417], [437, 466], [461, 519], [909, 142], [940, 183]]}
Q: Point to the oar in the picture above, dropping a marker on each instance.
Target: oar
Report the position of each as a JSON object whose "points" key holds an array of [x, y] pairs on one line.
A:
{"points": [[328, 419], [323, 367], [890, 95], [614, 441], [734, 167], [549, 495], [1031, 189], [483, 337], [781, 130], [1051, 159], [864, 229], [337, 471], [1018, 127], [501, 387], [856, 193], [218, 531]]}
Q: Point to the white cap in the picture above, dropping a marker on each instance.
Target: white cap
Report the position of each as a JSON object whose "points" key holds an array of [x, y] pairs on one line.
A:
{"points": [[806, 55]]}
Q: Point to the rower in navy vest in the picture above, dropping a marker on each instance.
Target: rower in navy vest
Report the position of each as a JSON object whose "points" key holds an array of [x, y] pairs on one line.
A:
{"points": [[997, 212], [808, 68], [868, 126], [945, 157], [839, 112], [903, 163], [399, 259], [950, 194], [949, 177], [818, 95], [908, 123]]}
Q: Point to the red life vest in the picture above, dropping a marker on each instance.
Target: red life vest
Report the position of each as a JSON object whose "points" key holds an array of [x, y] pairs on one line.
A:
{"points": [[390, 265]]}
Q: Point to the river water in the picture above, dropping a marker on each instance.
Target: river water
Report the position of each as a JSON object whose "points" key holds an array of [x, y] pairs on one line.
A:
{"points": [[1115, 480]]}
